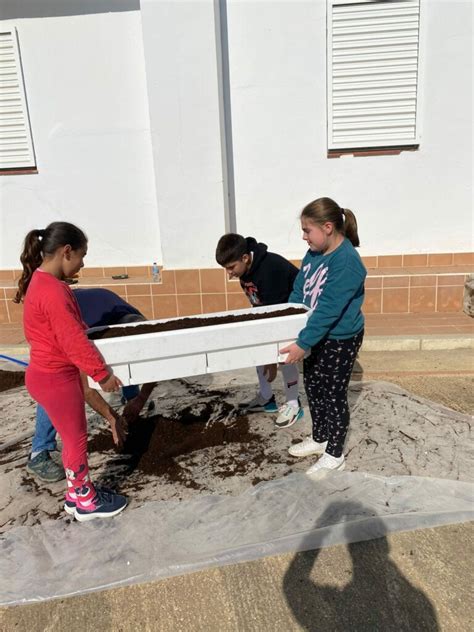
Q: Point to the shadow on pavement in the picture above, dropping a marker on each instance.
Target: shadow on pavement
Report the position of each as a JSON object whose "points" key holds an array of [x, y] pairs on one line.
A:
{"points": [[376, 598]]}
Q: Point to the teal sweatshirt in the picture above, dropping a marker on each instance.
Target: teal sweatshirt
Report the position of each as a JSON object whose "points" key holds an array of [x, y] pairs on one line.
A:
{"points": [[333, 287]]}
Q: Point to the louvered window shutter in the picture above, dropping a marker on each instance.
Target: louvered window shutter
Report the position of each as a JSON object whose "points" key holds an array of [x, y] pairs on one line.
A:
{"points": [[372, 73], [16, 145]]}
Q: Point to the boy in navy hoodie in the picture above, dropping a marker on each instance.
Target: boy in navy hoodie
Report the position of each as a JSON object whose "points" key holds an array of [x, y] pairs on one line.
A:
{"points": [[267, 279]]}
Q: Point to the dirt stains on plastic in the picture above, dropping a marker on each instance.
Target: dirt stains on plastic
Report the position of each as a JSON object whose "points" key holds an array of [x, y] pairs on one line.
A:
{"points": [[155, 446]]}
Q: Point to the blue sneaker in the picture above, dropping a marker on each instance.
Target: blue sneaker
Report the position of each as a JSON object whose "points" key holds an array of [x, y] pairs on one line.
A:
{"points": [[70, 505], [106, 505], [259, 405], [289, 415]]}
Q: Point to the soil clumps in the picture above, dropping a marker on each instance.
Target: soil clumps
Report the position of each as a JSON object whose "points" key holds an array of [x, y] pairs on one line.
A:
{"points": [[11, 379], [189, 323], [155, 445]]}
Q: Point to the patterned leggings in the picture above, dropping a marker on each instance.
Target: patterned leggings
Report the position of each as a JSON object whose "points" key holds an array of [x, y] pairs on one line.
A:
{"points": [[327, 372]]}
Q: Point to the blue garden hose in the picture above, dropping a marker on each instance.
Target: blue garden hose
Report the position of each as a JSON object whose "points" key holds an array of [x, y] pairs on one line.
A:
{"points": [[5, 357]]}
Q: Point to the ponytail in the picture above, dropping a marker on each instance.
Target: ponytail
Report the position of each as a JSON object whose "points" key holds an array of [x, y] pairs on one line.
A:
{"points": [[325, 210], [350, 227], [31, 259], [41, 243]]}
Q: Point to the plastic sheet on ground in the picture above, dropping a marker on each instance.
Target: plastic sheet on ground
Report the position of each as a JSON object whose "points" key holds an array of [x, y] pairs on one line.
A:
{"points": [[162, 539]]}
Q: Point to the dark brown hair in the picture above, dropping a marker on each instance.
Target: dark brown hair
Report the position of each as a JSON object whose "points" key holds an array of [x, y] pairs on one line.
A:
{"points": [[41, 243], [325, 210], [230, 248]]}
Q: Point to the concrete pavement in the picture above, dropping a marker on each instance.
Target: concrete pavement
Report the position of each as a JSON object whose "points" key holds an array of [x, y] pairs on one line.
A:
{"points": [[406, 582]]}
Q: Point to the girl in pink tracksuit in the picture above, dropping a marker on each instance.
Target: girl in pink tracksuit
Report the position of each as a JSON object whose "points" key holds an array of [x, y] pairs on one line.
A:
{"points": [[60, 349]]}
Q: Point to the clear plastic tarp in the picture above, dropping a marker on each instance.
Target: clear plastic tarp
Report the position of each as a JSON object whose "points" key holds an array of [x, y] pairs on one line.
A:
{"points": [[413, 462], [161, 539]]}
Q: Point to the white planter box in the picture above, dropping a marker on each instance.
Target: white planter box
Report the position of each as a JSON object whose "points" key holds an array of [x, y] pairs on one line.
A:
{"points": [[184, 352]]}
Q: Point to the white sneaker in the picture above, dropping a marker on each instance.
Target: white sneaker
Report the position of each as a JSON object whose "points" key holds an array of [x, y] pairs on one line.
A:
{"points": [[326, 464], [289, 414], [307, 447]]}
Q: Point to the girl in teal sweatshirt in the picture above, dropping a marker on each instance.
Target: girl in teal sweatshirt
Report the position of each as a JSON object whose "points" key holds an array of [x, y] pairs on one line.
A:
{"points": [[331, 284]]}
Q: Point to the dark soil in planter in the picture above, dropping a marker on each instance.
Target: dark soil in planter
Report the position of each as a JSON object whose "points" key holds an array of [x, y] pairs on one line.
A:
{"points": [[11, 379], [189, 323]]}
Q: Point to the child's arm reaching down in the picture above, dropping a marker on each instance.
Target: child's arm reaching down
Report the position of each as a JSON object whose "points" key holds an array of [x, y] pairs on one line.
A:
{"points": [[118, 424]]}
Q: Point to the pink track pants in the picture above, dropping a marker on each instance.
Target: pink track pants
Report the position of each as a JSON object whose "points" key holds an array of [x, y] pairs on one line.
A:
{"points": [[62, 396]]}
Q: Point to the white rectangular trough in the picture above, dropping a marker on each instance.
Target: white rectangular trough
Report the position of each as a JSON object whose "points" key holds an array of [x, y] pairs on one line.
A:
{"points": [[178, 353]]}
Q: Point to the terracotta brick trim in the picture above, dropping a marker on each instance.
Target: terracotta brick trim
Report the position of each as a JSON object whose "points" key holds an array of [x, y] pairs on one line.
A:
{"points": [[396, 284], [372, 262]]}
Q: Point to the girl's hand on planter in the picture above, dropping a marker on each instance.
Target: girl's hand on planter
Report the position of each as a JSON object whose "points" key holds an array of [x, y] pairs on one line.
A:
{"points": [[110, 384], [295, 353]]}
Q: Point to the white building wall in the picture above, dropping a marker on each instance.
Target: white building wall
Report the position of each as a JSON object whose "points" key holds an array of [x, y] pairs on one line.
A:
{"points": [[415, 202], [86, 90], [94, 82], [181, 65]]}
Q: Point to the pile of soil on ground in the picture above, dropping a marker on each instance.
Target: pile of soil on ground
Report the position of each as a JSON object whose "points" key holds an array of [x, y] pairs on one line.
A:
{"points": [[154, 444], [11, 379], [189, 323]]}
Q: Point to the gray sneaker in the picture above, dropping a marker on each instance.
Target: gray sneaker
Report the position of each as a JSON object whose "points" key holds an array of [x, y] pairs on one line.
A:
{"points": [[259, 405], [43, 466]]}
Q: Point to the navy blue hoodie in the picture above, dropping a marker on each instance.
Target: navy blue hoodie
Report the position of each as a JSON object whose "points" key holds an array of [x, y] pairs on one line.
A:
{"points": [[101, 307], [270, 278]]}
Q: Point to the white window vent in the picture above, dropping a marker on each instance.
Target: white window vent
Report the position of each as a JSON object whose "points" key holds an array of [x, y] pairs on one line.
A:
{"points": [[373, 55], [16, 145]]}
